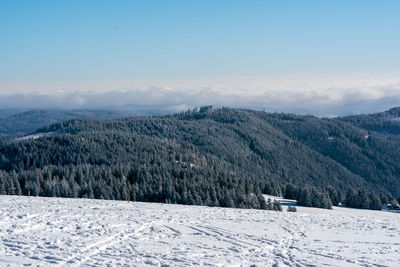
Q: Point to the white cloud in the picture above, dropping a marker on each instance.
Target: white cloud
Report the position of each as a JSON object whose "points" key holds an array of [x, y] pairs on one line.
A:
{"points": [[318, 94]]}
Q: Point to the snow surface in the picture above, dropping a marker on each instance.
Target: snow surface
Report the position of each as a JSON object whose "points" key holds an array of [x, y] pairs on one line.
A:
{"points": [[35, 136], [86, 232]]}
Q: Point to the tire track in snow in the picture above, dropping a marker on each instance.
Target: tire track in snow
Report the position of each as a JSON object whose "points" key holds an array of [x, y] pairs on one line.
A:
{"points": [[89, 251]]}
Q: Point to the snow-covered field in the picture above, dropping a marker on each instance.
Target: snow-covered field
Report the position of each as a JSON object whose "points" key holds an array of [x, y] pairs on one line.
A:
{"points": [[53, 231]]}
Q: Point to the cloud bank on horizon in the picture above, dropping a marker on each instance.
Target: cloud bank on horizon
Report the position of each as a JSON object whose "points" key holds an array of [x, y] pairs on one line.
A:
{"points": [[317, 57], [322, 96]]}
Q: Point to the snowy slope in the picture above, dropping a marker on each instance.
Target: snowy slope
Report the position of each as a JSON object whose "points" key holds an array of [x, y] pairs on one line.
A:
{"points": [[35, 136], [65, 232]]}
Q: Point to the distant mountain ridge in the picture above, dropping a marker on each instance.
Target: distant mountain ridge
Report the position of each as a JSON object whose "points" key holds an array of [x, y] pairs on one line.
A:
{"points": [[23, 121], [382, 122], [14, 122]]}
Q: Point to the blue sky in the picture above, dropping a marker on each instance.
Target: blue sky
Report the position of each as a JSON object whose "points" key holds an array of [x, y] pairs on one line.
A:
{"points": [[67, 45]]}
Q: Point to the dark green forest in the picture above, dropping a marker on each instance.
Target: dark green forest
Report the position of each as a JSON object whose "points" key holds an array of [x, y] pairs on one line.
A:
{"points": [[216, 157], [14, 121]]}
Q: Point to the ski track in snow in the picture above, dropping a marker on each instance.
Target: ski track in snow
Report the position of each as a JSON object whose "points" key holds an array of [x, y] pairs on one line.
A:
{"points": [[38, 231]]}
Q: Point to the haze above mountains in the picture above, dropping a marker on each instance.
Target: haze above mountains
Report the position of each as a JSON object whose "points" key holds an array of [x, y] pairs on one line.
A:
{"points": [[319, 95], [324, 59]]}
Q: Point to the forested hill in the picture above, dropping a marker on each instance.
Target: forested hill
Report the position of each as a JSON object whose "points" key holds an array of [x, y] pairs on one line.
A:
{"points": [[387, 122], [223, 157]]}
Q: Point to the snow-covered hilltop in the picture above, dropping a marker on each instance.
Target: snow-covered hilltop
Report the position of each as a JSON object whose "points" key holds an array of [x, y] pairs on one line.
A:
{"points": [[47, 231]]}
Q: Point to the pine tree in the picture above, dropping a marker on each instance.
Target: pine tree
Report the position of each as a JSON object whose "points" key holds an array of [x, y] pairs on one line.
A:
{"points": [[375, 202], [262, 203], [276, 205], [270, 205], [326, 201]]}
